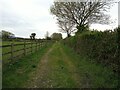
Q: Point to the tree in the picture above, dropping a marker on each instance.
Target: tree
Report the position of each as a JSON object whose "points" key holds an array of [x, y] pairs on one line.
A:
{"points": [[66, 26], [32, 36], [82, 13], [6, 34], [56, 36]]}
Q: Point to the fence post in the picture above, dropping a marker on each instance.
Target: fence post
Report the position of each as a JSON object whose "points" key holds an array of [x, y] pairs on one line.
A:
{"points": [[12, 51], [36, 45], [46, 42], [31, 47], [39, 44], [24, 48]]}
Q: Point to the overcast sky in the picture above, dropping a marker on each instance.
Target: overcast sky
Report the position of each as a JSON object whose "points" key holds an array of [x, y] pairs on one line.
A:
{"points": [[23, 17]]}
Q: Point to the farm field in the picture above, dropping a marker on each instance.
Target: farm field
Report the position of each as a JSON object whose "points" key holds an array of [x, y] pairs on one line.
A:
{"points": [[9, 42], [17, 49], [58, 67]]}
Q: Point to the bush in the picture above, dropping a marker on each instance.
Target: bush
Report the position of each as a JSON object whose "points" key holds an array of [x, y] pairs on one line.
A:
{"points": [[96, 45]]}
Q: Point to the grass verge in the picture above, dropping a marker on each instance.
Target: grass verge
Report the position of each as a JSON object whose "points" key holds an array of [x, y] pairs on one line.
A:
{"points": [[60, 76], [93, 75], [16, 75]]}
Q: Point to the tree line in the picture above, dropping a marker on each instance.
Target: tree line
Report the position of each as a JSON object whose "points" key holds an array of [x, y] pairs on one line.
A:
{"points": [[5, 35]]}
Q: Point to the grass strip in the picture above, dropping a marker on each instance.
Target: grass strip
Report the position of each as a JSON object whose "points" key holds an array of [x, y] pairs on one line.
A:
{"points": [[16, 75], [92, 74]]}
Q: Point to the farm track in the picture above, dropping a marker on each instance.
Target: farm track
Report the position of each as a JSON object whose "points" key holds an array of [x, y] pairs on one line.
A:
{"points": [[57, 66], [55, 70]]}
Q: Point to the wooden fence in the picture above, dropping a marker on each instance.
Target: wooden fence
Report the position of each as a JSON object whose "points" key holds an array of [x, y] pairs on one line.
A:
{"points": [[15, 51]]}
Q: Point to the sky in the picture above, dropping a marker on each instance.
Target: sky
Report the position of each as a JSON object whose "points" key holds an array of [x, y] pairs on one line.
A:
{"points": [[23, 17]]}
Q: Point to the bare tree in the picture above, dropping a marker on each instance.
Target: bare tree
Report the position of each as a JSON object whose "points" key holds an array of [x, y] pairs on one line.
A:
{"points": [[66, 26], [82, 13]]}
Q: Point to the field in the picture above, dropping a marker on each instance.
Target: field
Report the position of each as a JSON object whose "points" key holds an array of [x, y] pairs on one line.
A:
{"points": [[11, 51], [57, 66]]}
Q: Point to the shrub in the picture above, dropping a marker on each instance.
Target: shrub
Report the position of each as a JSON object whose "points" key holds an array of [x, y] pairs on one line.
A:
{"points": [[99, 46]]}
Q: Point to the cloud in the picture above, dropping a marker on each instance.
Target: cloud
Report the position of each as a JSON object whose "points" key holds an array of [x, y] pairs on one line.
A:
{"points": [[11, 20], [22, 17]]}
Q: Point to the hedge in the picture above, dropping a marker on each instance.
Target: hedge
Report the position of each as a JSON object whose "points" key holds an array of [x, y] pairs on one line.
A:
{"points": [[99, 46]]}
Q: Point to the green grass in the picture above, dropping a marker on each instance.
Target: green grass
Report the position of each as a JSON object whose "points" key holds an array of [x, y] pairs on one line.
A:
{"points": [[15, 54], [63, 69], [66, 69], [9, 42], [91, 75], [16, 75], [94, 74], [60, 76]]}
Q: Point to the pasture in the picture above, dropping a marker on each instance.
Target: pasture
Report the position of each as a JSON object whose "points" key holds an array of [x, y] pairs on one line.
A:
{"points": [[13, 50]]}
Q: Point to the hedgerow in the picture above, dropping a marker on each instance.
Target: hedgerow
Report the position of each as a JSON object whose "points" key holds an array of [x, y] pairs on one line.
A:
{"points": [[99, 46]]}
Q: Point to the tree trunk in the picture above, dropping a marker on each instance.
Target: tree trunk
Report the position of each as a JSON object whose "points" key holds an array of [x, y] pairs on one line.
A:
{"points": [[82, 28], [68, 35]]}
